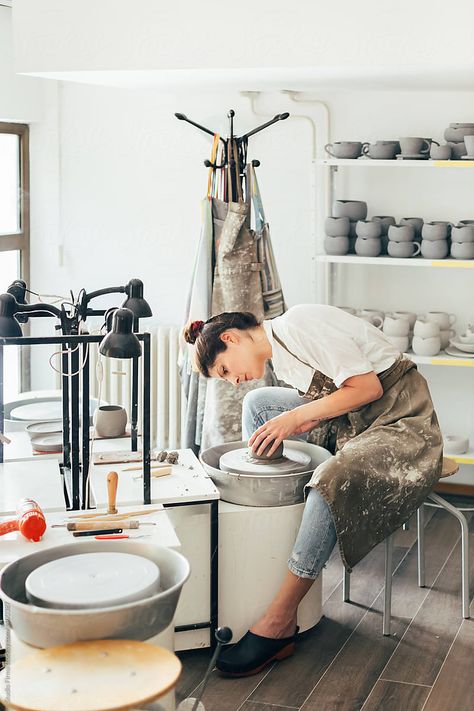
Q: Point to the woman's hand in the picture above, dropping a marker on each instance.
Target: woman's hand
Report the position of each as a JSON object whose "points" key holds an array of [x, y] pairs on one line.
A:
{"points": [[277, 429]]}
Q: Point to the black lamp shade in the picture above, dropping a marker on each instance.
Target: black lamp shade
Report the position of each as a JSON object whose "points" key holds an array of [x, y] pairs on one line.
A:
{"points": [[9, 326], [135, 301], [121, 342]]}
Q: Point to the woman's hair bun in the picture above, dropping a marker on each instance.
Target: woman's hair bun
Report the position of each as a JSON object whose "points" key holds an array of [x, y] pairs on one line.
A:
{"points": [[192, 331]]}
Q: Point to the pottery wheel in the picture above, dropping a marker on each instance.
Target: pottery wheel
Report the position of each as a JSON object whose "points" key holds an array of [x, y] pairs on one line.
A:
{"points": [[240, 461], [91, 580]]}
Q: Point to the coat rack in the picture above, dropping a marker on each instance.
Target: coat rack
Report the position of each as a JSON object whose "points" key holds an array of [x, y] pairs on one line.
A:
{"points": [[241, 144]]}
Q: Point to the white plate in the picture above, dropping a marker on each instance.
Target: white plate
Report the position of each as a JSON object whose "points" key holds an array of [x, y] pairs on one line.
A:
{"points": [[238, 461], [92, 580], [41, 411], [453, 351], [464, 347], [51, 427], [467, 157], [52, 442]]}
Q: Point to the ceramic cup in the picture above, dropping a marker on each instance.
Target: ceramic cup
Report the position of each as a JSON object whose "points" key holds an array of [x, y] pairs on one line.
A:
{"points": [[434, 230], [353, 209], [368, 229], [408, 315], [426, 346], [368, 247], [457, 133], [401, 233], [417, 223], [469, 143], [403, 250], [445, 336], [381, 150], [455, 444], [393, 326], [463, 233], [426, 329], [110, 420], [435, 250], [442, 152], [336, 246], [385, 222], [442, 318], [337, 226], [467, 337], [462, 250], [344, 149], [372, 318], [412, 146], [401, 343], [458, 150]]}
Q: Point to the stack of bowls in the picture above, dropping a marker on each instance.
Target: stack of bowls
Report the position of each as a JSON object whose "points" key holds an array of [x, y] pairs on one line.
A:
{"points": [[426, 338], [396, 328], [401, 240], [354, 210], [462, 240], [464, 341], [455, 134], [385, 222], [336, 241], [368, 242], [435, 239]]}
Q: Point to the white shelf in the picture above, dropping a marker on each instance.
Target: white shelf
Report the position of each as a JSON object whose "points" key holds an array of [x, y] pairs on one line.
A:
{"points": [[395, 262], [371, 163], [441, 359]]}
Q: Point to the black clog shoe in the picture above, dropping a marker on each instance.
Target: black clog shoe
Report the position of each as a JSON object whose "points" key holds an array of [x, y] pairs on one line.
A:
{"points": [[253, 653]]}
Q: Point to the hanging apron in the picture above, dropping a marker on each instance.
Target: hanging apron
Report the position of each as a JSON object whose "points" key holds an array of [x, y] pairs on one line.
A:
{"points": [[388, 455]]}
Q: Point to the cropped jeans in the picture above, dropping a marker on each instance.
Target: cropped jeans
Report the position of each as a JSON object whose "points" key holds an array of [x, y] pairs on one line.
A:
{"points": [[317, 535]]}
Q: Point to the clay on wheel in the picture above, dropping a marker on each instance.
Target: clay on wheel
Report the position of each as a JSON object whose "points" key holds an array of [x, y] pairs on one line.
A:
{"points": [[277, 454]]}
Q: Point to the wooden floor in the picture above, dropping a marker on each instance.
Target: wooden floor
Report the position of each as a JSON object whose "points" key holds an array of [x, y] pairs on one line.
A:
{"points": [[345, 663]]}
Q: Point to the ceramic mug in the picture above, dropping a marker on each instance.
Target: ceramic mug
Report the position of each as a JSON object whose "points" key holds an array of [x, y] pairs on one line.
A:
{"points": [[458, 150], [408, 315], [394, 326], [412, 146], [344, 149], [368, 229], [381, 150], [403, 250], [462, 250], [110, 421], [401, 233], [385, 222], [337, 226], [435, 230], [442, 152], [368, 247], [417, 223], [442, 318], [426, 346], [336, 246], [426, 329], [439, 249], [353, 209], [463, 233]]}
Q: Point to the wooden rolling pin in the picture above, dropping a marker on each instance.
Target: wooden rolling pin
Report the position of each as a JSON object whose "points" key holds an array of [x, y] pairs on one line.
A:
{"points": [[112, 483]]}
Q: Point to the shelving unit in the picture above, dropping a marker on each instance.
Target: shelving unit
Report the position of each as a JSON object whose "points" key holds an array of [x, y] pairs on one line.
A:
{"points": [[330, 262]]}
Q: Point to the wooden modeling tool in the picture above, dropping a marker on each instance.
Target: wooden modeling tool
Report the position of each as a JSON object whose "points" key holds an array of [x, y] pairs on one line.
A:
{"points": [[111, 517], [112, 483]]}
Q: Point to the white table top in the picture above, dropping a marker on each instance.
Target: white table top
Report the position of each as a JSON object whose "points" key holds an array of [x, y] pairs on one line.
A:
{"points": [[181, 486], [36, 479], [14, 545], [20, 447]]}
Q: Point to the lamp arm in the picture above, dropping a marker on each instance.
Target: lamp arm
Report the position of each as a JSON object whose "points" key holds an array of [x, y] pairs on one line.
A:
{"points": [[36, 308]]}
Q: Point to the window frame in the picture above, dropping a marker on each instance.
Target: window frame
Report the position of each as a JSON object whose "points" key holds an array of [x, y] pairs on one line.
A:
{"points": [[20, 241]]}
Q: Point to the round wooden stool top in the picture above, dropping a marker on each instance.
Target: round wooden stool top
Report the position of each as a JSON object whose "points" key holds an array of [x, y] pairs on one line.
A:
{"points": [[100, 675], [450, 467]]}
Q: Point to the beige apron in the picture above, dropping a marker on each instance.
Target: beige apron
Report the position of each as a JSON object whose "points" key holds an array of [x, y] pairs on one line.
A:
{"points": [[388, 457]]}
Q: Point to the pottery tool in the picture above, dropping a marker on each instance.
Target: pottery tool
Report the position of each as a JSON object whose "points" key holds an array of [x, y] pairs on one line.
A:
{"points": [[112, 483], [30, 521], [156, 472], [96, 532], [103, 523], [112, 537], [166, 468], [112, 517]]}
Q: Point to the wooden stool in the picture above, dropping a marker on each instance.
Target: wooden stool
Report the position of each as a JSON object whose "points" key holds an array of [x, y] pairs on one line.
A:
{"points": [[101, 675], [450, 468]]}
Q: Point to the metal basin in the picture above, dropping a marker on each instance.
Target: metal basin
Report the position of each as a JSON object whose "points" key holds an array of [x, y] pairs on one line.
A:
{"points": [[140, 620], [261, 490]]}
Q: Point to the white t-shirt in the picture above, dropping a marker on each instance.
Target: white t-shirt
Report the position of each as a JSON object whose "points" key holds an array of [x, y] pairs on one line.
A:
{"points": [[327, 339]]}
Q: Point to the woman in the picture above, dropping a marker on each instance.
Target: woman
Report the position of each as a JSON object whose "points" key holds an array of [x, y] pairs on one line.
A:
{"points": [[357, 396]]}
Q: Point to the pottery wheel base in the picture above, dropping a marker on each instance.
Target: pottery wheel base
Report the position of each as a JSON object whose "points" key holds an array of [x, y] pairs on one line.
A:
{"points": [[240, 461]]}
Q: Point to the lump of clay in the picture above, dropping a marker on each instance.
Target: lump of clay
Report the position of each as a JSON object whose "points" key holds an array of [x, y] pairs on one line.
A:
{"points": [[277, 454]]}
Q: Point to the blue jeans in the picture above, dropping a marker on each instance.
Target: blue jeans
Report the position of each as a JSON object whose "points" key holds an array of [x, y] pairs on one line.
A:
{"points": [[317, 535]]}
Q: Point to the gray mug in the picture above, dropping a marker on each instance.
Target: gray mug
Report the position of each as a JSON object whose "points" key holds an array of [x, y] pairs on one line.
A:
{"points": [[412, 145], [440, 152], [368, 229], [401, 233], [344, 149], [337, 226], [439, 249], [462, 250], [403, 250], [463, 233], [368, 247], [382, 150], [434, 230], [336, 246]]}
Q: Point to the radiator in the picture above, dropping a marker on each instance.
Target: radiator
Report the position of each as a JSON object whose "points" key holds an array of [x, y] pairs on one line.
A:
{"points": [[166, 396]]}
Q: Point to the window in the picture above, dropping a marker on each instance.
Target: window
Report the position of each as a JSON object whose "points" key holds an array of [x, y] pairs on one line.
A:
{"points": [[14, 238]]}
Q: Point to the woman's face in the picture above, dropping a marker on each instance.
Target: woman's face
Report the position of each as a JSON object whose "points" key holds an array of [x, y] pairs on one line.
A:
{"points": [[243, 359]]}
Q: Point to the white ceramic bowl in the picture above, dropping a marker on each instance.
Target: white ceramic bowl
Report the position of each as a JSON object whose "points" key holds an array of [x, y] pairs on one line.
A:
{"points": [[426, 346], [466, 347], [396, 326], [455, 444], [400, 342], [426, 329], [465, 338]]}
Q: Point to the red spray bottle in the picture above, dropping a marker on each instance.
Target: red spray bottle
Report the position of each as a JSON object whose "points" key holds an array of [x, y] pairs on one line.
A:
{"points": [[30, 521]]}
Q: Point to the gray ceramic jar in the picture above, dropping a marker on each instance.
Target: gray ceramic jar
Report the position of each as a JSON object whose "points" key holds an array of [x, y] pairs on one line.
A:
{"points": [[439, 249], [368, 247], [403, 250], [462, 250], [433, 231], [337, 226], [463, 233], [368, 229], [353, 209], [336, 246], [401, 233]]}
